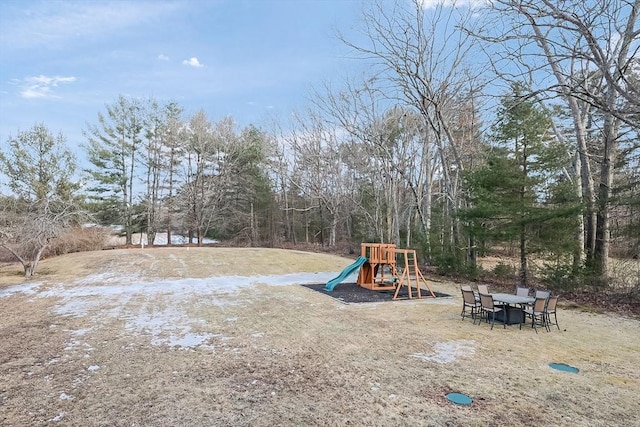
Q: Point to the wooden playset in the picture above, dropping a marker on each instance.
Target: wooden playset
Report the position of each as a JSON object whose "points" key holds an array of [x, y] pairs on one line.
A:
{"points": [[381, 271]]}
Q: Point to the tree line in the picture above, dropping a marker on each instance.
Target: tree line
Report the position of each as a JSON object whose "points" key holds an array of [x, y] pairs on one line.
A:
{"points": [[421, 152]]}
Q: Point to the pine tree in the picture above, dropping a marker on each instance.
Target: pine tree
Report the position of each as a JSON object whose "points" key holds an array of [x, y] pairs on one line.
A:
{"points": [[40, 172], [114, 151], [513, 194]]}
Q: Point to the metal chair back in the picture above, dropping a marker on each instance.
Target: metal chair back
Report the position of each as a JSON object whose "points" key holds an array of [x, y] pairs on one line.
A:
{"points": [[486, 301], [542, 294], [540, 305], [469, 297]]}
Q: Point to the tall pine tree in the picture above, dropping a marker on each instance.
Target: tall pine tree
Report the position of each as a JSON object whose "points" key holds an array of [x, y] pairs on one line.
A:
{"points": [[517, 194]]}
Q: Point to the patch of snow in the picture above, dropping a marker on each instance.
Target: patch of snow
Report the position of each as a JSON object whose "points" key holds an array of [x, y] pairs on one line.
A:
{"points": [[447, 352], [191, 340], [65, 396], [155, 308], [93, 368], [161, 239], [183, 338], [57, 418], [30, 288], [295, 278]]}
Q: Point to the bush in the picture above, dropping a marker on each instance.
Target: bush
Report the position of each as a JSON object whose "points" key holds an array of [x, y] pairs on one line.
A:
{"points": [[624, 275], [560, 276], [506, 271], [449, 264], [81, 239]]}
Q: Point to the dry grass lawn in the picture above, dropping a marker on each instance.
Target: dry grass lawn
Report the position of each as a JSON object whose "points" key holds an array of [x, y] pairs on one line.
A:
{"points": [[193, 337]]}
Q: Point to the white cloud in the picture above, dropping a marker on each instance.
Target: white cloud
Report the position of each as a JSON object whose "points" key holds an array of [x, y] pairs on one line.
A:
{"points": [[163, 57], [41, 86], [57, 23], [432, 4], [193, 62]]}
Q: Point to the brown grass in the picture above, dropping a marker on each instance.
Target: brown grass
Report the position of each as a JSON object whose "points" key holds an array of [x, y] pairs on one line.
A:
{"points": [[285, 355]]}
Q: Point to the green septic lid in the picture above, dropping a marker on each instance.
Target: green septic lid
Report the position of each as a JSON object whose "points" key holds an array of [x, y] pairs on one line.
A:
{"points": [[459, 398], [564, 367]]}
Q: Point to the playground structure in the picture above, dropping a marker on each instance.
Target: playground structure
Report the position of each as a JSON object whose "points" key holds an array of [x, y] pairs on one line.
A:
{"points": [[380, 271]]}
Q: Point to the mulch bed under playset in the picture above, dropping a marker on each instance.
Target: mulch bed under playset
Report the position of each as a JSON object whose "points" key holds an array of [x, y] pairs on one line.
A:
{"points": [[352, 293]]}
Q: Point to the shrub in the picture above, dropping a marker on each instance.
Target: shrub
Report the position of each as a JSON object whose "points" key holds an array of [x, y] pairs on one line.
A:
{"points": [[506, 271], [449, 263], [81, 239]]}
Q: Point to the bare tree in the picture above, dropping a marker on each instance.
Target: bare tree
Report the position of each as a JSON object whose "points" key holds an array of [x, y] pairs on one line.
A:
{"points": [[162, 146], [197, 197], [421, 59], [321, 172], [281, 172], [173, 149]]}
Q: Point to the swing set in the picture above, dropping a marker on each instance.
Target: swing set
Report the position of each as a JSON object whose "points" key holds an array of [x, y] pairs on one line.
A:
{"points": [[382, 272]]}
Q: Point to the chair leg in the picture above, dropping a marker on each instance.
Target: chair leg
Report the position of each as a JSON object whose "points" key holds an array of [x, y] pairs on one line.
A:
{"points": [[555, 319], [483, 315], [546, 323]]}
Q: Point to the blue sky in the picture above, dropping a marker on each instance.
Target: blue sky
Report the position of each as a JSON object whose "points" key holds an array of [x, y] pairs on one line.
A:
{"points": [[61, 62]]}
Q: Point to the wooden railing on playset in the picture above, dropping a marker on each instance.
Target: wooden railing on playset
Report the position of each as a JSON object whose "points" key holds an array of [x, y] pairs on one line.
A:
{"points": [[380, 272]]}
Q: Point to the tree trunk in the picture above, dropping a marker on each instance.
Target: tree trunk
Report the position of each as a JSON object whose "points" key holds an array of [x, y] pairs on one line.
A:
{"points": [[333, 231], [523, 256], [601, 249]]}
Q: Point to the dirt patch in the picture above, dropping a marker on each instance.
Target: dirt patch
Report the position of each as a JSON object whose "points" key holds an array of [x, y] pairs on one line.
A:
{"points": [[206, 336]]}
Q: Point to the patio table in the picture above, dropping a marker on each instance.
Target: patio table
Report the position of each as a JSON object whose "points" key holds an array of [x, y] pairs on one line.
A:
{"points": [[512, 304]]}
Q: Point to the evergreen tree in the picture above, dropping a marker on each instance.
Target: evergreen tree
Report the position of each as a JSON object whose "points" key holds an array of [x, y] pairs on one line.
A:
{"points": [[114, 152], [513, 193], [40, 172]]}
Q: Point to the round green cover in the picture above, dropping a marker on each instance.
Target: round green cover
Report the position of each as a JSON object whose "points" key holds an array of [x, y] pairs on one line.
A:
{"points": [[459, 398], [564, 367]]}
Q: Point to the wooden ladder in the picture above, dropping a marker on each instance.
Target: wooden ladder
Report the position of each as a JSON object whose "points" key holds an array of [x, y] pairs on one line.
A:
{"points": [[411, 276]]}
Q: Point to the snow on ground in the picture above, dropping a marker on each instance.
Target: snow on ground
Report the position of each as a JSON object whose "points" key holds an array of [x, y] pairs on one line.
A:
{"points": [[447, 352], [157, 309], [160, 239]]}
